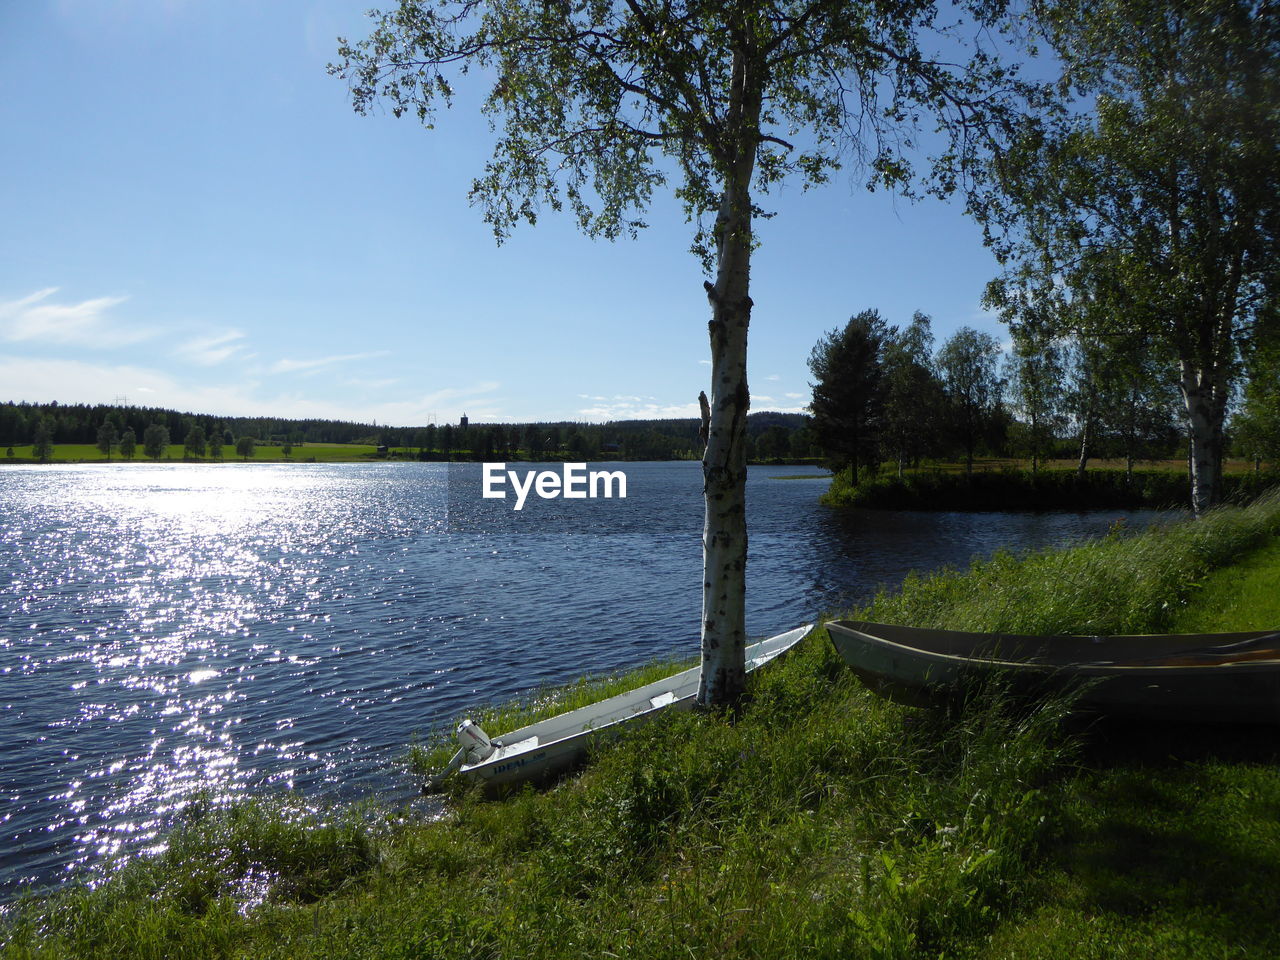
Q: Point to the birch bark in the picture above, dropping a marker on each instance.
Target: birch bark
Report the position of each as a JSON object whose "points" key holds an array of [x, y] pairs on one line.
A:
{"points": [[1205, 397], [724, 463]]}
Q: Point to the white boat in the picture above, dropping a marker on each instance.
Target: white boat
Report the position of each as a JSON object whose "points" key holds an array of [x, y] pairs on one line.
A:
{"points": [[553, 745]]}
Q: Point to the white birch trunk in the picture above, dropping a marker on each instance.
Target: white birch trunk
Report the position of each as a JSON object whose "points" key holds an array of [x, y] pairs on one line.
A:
{"points": [[724, 464], [1206, 410]]}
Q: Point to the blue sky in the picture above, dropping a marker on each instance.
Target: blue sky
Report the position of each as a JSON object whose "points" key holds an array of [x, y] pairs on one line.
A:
{"points": [[196, 218]]}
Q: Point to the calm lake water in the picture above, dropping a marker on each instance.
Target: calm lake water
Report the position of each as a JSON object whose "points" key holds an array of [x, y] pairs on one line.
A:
{"points": [[168, 630]]}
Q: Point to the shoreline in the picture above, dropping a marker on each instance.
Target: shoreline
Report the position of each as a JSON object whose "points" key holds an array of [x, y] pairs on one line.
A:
{"points": [[819, 821], [376, 458], [1006, 489]]}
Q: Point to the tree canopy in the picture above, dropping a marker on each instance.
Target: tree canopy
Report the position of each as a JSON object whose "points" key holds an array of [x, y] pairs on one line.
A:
{"points": [[1150, 203], [969, 366], [597, 105], [1034, 376], [913, 395], [42, 440], [155, 440], [849, 391]]}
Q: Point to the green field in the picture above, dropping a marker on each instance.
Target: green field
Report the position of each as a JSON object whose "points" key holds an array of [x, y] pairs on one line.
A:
{"points": [[819, 822], [262, 453]]}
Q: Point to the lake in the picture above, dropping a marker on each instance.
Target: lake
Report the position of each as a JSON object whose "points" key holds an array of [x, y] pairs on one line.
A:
{"points": [[167, 630]]}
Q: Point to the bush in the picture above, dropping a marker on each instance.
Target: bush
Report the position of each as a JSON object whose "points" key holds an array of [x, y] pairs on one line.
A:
{"points": [[1010, 489]]}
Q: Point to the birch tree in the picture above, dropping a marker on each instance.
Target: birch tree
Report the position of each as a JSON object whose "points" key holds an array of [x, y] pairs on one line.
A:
{"points": [[128, 443], [599, 104], [155, 440], [1156, 199], [914, 401], [1034, 375], [42, 441], [1086, 395], [1256, 425], [969, 365]]}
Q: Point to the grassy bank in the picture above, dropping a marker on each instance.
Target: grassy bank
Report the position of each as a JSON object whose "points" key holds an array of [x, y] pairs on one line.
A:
{"points": [[1010, 488], [822, 822]]}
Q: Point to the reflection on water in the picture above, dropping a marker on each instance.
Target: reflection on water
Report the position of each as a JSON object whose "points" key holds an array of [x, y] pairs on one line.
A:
{"points": [[168, 631]]}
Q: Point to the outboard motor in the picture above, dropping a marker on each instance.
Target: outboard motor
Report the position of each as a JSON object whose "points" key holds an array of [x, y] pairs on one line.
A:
{"points": [[474, 741]]}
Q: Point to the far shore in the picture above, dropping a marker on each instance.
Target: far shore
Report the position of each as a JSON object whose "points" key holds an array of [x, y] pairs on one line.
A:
{"points": [[84, 453]]}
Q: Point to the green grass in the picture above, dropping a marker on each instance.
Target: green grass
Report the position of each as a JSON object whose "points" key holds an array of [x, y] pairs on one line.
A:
{"points": [[1010, 488], [698, 836], [1170, 859], [88, 453], [1244, 596], [819, 822], [1167, 844], [1118, 584]]}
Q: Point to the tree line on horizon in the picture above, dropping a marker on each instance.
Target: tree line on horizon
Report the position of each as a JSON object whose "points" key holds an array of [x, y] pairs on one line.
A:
{"points": [[148, 431], [80, 423], [771, 436]]}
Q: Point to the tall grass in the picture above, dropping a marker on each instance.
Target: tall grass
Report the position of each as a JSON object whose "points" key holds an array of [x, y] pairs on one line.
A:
{"points": [[820, 821], [789, 832], [1244, 596], [1120, 584]]}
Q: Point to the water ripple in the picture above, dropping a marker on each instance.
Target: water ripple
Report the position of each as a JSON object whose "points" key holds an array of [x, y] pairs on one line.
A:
{"points": [[173, 632]]}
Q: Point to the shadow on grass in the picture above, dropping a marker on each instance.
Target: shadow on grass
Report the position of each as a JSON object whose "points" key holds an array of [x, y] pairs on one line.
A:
{"points": [[1115, 741], [1173, 832]]}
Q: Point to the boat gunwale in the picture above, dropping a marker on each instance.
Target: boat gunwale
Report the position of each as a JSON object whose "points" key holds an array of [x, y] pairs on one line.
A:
{"points": [[1083, 668], [664, 684]]}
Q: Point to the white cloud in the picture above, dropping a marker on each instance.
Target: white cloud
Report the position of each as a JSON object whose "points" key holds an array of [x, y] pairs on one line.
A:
{"points": [[707, 362], [760, 403], [211, 350], [461, 393], [775, 407], [367, 383], [622, 407], [441, 406], [317, 364], [636, 408], [773, 376], [37, 319], [73, 381]]}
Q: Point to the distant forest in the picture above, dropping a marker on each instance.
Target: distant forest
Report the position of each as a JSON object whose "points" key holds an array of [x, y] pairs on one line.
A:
{"points": [[771, 435]]}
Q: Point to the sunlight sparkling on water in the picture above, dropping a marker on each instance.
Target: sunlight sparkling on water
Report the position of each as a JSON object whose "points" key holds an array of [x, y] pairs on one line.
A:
{"points": [[153, 618], [174, 632]]}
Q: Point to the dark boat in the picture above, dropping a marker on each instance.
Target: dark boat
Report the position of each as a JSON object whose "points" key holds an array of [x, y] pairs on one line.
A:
{"points": [[1212, 677]]}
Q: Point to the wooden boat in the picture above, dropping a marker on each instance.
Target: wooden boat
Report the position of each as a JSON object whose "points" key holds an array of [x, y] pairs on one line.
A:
{"points": [[553, 745], [1216, 677]]}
